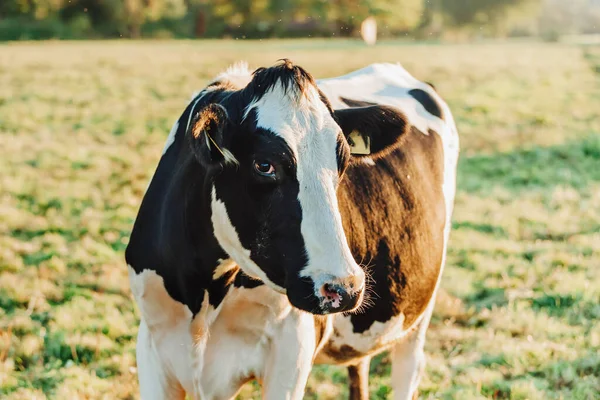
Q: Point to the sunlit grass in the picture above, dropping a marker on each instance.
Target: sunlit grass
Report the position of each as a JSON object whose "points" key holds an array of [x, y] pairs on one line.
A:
{"points": [[82, 127]]}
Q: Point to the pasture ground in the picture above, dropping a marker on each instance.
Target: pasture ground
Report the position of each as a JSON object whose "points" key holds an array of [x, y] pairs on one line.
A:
{"points": [[82, 126]]}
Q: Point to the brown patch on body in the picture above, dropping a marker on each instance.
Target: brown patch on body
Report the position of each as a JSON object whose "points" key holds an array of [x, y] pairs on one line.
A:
{"points": [[394, 216], [343, 354]]}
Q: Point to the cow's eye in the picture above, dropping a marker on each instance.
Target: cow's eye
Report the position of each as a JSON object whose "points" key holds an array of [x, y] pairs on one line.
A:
{"points": [[264, 168]]}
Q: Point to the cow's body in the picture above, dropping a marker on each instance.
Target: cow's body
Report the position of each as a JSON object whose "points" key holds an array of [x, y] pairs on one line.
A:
{"points": [[395, 212]]}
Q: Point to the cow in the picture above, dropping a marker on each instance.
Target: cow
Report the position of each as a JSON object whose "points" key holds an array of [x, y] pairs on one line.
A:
{"points": [[293, 221]]}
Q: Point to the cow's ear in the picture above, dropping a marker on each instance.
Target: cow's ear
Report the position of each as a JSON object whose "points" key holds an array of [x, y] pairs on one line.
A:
{"points": [[372, 130], [208, 136]]}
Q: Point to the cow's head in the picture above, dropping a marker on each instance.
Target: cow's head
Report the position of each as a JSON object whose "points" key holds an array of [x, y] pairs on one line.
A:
{"points": [[277, 152]]}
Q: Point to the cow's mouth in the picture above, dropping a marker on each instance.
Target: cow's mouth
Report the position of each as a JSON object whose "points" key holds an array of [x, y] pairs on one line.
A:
{"points": [[331, 296], [327, 295]]}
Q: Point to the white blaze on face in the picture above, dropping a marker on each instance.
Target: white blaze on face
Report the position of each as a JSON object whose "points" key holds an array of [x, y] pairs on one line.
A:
{"points": [[310, 131]]}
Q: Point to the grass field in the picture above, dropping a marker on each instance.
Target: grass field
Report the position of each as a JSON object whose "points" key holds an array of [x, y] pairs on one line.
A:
{"points": [[82, 126]]}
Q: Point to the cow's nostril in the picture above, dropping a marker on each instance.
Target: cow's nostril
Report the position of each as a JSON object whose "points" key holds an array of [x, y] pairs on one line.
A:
{"points": [[332, 294], [329, 291], [341, 294]]}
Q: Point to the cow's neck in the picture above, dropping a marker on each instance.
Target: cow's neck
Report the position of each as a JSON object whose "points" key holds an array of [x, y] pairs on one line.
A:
{"points": [[173, 235]]}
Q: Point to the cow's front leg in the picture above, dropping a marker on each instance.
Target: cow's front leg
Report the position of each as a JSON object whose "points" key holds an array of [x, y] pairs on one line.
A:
{"points": [[408, 359], [290, 357], [155, 377]]}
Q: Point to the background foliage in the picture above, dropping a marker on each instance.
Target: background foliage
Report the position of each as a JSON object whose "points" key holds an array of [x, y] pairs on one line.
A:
{"points": [[73, 19]]}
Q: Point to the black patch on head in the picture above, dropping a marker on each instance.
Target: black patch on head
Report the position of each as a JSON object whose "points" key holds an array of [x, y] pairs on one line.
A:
{"points": [[428, 102], [292, 77], [265, 212]]}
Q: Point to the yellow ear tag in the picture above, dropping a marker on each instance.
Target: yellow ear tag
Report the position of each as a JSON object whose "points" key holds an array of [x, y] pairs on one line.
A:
{"points": [[362, 145]]}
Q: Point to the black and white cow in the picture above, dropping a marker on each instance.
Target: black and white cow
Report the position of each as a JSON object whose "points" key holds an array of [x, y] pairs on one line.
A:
{"points": [[292, 222]]}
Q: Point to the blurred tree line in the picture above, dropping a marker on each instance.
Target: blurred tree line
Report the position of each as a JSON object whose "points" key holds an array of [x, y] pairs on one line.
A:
{"points": [[70, 19]]}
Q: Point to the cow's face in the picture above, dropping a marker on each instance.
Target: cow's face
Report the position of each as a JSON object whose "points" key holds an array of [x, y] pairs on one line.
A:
{"points": [[277, 162]]}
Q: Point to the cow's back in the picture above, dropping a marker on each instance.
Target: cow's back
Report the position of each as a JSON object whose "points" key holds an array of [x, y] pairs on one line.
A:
{"points": [[396, 208]]}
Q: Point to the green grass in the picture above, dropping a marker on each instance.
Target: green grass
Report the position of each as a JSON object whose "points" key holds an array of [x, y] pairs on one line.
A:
{"points": [[82, 126]]}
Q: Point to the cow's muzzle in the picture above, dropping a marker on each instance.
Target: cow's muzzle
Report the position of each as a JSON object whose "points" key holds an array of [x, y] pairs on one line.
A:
{"points": [[341, 295], [327, 294]]}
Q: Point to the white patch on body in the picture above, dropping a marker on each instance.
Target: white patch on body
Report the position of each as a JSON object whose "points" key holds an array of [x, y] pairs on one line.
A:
{"points": [[258, 334], [163, 337], [307, 127], [408, 359], [387, 84], [380, 336], [290, 357]]}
